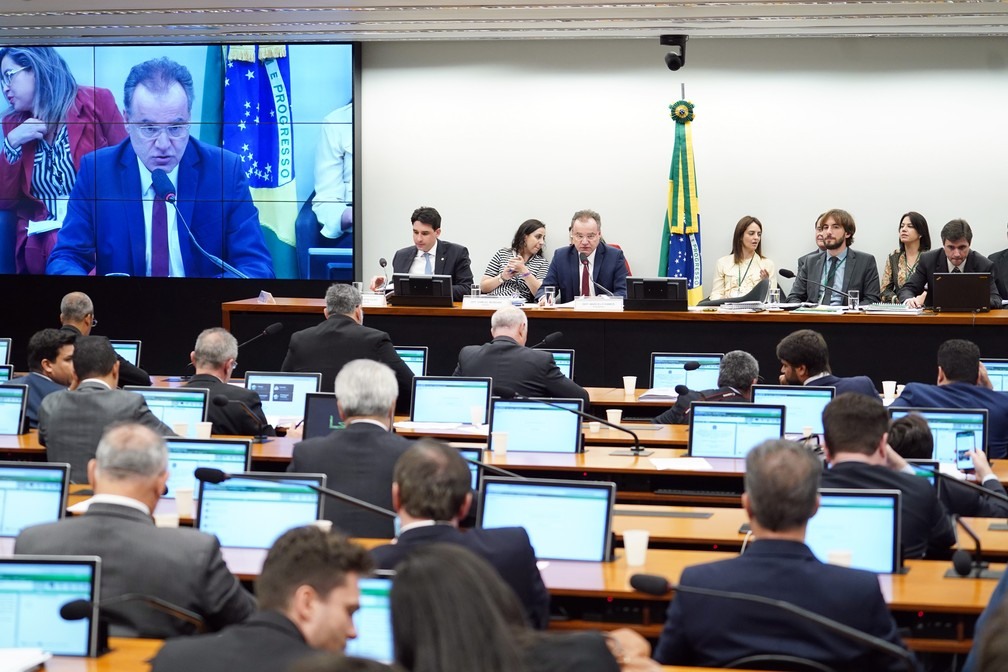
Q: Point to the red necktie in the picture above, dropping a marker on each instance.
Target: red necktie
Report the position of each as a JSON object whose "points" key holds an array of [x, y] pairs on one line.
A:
{"points": [[585, 279], [159, 239]]}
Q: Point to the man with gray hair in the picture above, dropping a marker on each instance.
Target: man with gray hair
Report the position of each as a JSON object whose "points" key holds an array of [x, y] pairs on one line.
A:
{"points": [[781, 495], [215, 358], [738, 372], [358, 459], [179, 565], [77, 317], [342, 338], [513, 367]]}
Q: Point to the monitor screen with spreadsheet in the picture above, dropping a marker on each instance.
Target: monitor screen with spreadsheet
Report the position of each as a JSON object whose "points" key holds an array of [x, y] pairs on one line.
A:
{"points": [[955, 431], [187, 455], [720, 429], [174, 405], [415, 357], [13, 400], [128, 350], [5, 350], [474, 469], [534, 427], [6, 372], [31, 493], [667, 370], [804, 404], [449, 399], [997, 371], [373, 620], [862, 523], [564, 360]]}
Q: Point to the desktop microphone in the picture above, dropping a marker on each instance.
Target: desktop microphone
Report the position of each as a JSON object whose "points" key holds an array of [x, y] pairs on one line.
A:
{"points": [[550, 339], [659, 586], [584, 257], [271, 330], [494, 470], [211, 475], [963, 565], [385, 286], [77, 610], [787, 273], [163, 188], [222, 401]]}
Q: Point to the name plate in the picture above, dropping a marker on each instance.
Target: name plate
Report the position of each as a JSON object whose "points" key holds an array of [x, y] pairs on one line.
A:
{"points": [[599, 304], [485, 302], [371, 300]]}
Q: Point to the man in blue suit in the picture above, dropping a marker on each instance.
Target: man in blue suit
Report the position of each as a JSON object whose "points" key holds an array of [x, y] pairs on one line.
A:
{"points": [[804, 358], [118, 223], [574, 275], [50, 368], [781, 495]]}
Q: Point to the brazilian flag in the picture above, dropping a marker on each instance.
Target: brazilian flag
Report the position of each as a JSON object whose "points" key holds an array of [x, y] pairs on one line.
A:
{"points": [[680, 249]]}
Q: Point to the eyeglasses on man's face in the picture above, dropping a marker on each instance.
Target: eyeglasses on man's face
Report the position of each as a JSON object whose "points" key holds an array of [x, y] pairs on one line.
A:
{"points": [[154, 131]]}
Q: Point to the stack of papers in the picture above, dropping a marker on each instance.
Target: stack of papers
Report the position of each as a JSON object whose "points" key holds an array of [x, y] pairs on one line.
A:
{"points": [[22, 660], [891, 309], [659, 394]]}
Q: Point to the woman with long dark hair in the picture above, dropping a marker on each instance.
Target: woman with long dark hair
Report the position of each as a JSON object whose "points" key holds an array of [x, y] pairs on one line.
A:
{"points": [[914, 239], [518, 270], [739, 272]]}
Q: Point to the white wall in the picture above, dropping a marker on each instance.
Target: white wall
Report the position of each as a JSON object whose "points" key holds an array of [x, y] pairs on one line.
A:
{"points": [[492, 133]]}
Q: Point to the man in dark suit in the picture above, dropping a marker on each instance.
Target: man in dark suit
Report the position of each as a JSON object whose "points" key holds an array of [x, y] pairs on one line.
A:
{"points": [[307, 594], [359, 459], [50, 368], [820, 245], [431, 494], [780, 497], [574, 275], [1000, 261], [429, 255], [514, 367], [71, 422], [77, 317], [117, 220], [214, 358], [737, 373], [840, 268], [804, 358], [855, 436], [963, 383], [342, 338], [179, 565], [954, 256]]}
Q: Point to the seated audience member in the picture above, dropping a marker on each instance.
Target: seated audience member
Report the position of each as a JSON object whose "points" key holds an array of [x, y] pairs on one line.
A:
{"points": [[737, 374], [523, 371], [342, 338], [804, 358], [963, 383], [50, 368], [738, 273], [954, 256], [307, 594], [179, 565], [429, 255], [482, 626], [603, 264], [1000, 261], [911, 438], [215, 357], [855, 433], [71, 422], [825, 278], [77, 317], [990, 635], [914, 240], [431, 494], [781, 495], [359, 459], [520, 269], [820, 246]]}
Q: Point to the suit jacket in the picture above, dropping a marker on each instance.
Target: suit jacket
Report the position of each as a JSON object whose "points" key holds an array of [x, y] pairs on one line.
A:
{"points": [[804, 258], [996, 601], [451, 260], [104, 226], [1000, 261], [72, 421], [959, 499], [679, 413], [232, 419], [713, 631], [508, 549], [926, 527], [935, 261], [565, 272], [129, 374], [266, 642], [180, 565], [527, 372], [860, 273], [858, 384], [39, 387], [358, 461], [326, 347], [585, 651], [964, 395]]}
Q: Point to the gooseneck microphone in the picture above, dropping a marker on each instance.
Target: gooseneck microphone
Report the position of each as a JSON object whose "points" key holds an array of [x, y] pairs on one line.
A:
{"points": [[271, 330], [261, 437], [163, 188], [584, 257], [789, 274], [494, 470], [76, 610], [549, 340]]}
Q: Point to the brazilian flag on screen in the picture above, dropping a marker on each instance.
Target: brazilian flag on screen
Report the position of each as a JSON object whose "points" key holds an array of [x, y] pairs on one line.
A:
{"points": [[680, 249]]}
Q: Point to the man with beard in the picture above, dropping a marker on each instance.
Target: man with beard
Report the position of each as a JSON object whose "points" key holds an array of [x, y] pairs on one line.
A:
{"points": [[827, 278]]}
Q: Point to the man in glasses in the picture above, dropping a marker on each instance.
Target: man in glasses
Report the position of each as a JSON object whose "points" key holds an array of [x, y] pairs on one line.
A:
{"points": [[118, 221], [586, 267]]}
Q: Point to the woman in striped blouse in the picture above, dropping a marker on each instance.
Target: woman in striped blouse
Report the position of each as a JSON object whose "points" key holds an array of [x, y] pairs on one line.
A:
{"points": [[518, 271], [50, 125]]}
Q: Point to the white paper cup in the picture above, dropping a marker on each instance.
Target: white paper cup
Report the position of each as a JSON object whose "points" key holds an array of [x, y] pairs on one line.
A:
{"points": [[499, 441], [629, 385], [181, 428], [184, 503], [614, 415], [594, 427], [840, 557], [324, 525], [203, 430], [635, 543], [899, 389], [889, 388], [476, 415], [166, 519]]}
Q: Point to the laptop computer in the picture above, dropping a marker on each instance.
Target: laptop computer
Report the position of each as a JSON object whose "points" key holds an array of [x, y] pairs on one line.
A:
{"points": [[730, 429], [667, 370], [6, 372], [282, 394], [5, 345], [13, 401], [955, 431], [997, 371], [546, 508], [534, 427], [415, 357], [961, 292], [31, 493], [475, 471], [174, 405], [804, 405], [34, 588], [186, 455], [926, 469], [449, 399], [564, 359], [321, 415], [862, 523], [128, 350], [373, 620]]}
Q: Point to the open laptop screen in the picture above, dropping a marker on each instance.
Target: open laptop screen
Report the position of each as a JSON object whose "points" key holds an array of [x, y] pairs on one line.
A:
{"points": [[128, 350], [373, 621], [282, 394], [804, 405], [321, 415], [532, 426], [449, 399], [564, 359], [546, 509], [31, 494], [13, 399], [474, 469], [186, 455], [6, 372], [415, 357], [34, 588], [862, 525], [997, 371], [667, 370], [5, 350], [954, 431], [732, 429], [174, 405]]}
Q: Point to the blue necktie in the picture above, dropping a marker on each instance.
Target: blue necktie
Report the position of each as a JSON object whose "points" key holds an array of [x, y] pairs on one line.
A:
{"points": [[427, 265]]}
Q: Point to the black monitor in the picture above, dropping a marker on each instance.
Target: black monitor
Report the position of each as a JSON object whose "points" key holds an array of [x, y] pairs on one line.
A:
{"points": [[421, 290], [656, 294]]}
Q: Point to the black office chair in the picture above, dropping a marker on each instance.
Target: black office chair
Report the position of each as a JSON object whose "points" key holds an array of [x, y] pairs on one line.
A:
{"points": [[757, 293], [778, 662]]}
